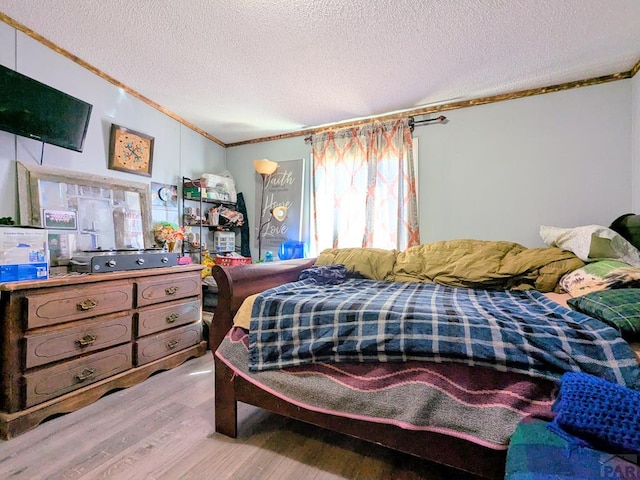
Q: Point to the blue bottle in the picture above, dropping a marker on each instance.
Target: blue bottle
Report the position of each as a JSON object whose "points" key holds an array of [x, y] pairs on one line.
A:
{"points": [[268, 256]]}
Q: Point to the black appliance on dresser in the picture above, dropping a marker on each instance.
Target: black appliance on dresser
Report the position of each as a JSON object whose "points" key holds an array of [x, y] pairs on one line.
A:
{"points": [[102, 261]]}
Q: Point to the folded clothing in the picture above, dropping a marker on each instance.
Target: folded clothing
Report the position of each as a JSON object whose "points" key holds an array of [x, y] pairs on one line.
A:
{"points": [[325, 275], [595, 413]]}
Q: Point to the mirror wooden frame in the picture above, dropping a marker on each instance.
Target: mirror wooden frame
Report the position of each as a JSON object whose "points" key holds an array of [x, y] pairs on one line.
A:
{"points": [[30, 210]]}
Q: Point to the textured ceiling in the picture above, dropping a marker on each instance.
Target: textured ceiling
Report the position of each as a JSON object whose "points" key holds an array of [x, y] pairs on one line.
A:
{"points": [[246, 69]]}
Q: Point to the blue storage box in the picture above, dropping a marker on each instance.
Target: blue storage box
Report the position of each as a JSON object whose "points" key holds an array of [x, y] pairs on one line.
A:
{"points": [[292, 249], [24, 254]]}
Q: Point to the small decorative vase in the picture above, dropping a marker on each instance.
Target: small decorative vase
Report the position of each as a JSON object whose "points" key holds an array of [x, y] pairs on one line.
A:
{"points": [[171, 246]]}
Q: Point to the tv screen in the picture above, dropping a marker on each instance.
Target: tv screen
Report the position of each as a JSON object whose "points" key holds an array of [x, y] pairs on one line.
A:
{"points": [[34, 110]]}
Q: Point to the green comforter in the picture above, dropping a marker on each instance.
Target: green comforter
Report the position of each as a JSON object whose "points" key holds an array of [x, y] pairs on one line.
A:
{"points": [[462, 263]]}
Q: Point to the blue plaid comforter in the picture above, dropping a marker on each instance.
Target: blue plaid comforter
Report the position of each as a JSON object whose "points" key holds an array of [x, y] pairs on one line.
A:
{"points": [[364, 320]]}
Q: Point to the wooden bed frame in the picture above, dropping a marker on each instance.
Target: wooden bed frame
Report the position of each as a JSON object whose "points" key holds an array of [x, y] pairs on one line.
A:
{"points": [[238, 282]]}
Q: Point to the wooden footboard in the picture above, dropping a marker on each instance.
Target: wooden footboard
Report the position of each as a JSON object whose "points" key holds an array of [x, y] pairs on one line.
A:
{"points": [[237, 283], [234, 285]]}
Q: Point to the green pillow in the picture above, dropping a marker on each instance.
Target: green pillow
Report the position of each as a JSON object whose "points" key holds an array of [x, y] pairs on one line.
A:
{"points": [[619, 308], [604, 267], [589, 278]]}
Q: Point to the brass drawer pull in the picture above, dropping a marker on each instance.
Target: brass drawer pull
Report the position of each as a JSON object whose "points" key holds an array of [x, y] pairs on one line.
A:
{"points": [[85, 374], [87, 340], [87, 304], [172, 344], [171, 290], [172, 318]]}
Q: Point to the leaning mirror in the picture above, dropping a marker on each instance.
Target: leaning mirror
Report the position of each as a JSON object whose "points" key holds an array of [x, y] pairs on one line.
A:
{"points": [[83, 211]]}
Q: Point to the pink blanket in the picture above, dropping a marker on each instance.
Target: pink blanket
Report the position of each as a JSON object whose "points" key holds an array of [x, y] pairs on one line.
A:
{"points": [[474, 403]]}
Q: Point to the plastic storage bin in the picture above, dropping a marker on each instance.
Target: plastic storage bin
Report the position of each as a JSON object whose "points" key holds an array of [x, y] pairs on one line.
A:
{"points": [[224, 241], [231, 261], [289, 250]]}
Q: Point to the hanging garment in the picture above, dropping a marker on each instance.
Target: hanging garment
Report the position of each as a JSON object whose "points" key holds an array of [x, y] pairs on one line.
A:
{"points": [[245, 247]]}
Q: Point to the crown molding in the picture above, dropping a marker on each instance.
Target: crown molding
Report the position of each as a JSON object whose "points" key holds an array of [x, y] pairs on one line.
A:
{"points": [[347, 124], [635, 69], [453, 106], [36, 36]]}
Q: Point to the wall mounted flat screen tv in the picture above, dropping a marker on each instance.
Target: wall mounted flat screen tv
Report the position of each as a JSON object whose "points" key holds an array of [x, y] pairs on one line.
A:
{"points": [[34, 110]]}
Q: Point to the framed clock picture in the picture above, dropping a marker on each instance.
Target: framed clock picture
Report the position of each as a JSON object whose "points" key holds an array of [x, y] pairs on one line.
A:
{"points": [[130, 151]]}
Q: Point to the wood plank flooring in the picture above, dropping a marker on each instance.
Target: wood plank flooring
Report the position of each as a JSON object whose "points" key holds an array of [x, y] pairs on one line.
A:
{"points": [[162, 429]]}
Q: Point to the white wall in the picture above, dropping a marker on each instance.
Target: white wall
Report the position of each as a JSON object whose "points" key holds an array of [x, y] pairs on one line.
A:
{"points": [[7, 141], [635, 140], [178, 150], [499, 171]]}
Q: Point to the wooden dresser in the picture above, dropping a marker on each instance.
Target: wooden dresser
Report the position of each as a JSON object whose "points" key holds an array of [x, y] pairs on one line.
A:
{"points": [[68, 340]]}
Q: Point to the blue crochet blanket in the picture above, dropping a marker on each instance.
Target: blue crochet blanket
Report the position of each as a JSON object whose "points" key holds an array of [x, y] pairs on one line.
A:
{"points": [[595, 413]]}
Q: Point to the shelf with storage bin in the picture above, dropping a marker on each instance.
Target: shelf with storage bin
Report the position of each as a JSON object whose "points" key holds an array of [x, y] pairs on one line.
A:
{"points": [[202, 220]]}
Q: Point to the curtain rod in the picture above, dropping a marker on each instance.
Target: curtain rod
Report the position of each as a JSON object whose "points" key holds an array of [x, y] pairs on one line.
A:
{"points": [[416, 123], [412, 123]]}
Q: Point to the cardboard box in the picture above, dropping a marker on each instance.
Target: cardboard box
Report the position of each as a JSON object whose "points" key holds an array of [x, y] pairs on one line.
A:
{"points": [[194, 193], [24, 254]]}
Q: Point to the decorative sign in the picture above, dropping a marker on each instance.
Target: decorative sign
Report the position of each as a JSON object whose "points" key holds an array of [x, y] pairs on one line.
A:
{"points": [[130, 151], [281, 217]]}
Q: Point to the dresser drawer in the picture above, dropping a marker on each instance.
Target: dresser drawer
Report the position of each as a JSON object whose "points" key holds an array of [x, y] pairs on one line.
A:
{"points": [[64, 378], [167, 288], [88, 337], [157, 318], [160, 345], [73, 303]]}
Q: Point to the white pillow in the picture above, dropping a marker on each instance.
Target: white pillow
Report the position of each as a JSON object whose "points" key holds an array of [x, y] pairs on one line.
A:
{"points": [[591, 243]]}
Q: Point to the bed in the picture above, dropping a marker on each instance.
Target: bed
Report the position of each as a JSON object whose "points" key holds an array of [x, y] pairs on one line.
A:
{"points": [[314, 387]]}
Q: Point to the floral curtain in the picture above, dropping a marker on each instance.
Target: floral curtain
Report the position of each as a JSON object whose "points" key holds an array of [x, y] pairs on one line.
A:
{"points": [[364, 187]]}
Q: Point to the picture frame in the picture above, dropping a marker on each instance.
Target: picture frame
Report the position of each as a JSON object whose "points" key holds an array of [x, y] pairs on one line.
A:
{"points": [[59, 219], [130, 151]]}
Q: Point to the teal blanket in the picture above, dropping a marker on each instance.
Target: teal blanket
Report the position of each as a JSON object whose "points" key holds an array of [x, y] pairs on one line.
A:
{"points": [[537, 453]]}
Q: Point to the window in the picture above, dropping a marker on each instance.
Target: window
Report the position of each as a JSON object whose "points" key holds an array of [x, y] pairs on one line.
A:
{"points": [[364, 188]]}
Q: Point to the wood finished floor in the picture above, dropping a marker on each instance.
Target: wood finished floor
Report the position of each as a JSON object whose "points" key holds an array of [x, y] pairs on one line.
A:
{"points": [[162, 429]]}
